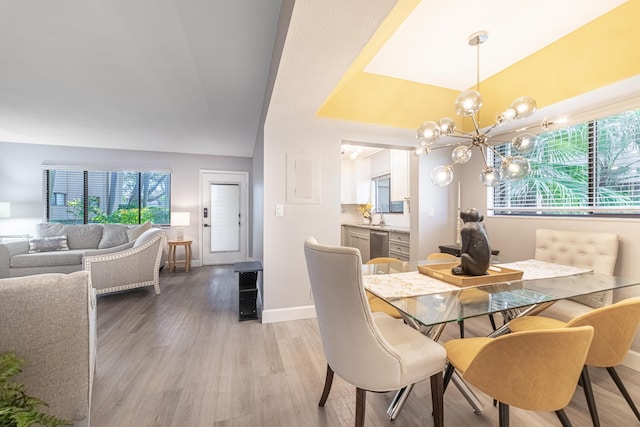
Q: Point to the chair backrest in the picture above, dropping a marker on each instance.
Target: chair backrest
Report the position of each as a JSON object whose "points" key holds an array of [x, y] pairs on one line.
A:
{"points": [[48, 320], [615, 328], [382, 260], [594, 250], [597, 251], [439, 256], [352, 344], [533, 370]]}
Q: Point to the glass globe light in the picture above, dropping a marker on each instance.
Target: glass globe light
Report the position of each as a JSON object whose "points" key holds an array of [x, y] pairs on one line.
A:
{"points": [[490, 177], [508, 114], [468, 103], [428, 133], [524, 106], [461, 154], [442, 175], [524, 144], [513, 168], [447, 126]]}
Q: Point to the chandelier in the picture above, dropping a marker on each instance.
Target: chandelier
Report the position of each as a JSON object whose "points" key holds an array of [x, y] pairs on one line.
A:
{"points": [[468, 104]]}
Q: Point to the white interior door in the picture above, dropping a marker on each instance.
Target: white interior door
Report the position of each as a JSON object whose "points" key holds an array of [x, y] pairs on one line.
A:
{"points": [[224, 217]]}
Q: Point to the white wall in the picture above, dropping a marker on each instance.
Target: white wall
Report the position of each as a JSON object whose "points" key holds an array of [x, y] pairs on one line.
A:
{"points": [[21, 178]]}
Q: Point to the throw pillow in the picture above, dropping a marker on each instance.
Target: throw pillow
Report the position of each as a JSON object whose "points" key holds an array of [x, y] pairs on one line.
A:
{"points": [[114, 235], [48, 244], [135, 232]]}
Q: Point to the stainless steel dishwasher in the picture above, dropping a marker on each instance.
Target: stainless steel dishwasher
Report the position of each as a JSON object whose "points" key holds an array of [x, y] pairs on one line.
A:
{"points": [[378, 244]]}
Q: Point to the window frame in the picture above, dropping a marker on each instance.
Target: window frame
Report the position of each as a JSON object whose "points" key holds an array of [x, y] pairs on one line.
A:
{"points": [[90, 181]]}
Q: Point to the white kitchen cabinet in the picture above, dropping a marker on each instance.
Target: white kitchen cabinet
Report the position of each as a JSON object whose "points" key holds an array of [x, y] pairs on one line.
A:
{"points": [[399, 175], [380, 164], [347, 195], [356, 182]]}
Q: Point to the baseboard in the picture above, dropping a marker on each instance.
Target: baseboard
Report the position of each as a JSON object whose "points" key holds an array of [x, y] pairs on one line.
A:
{"points": [[284, 314], [632, 360]]}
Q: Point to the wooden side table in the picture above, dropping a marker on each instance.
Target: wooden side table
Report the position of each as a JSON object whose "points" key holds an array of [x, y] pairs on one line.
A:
{"points": [[173, 244]]}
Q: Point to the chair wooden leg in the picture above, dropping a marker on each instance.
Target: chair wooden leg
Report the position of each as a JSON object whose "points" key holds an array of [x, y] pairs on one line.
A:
{"points": [[327, 386], [361, 404], [623, 390], [503, 414], [585, 381], [437, 399], [563, 418]]}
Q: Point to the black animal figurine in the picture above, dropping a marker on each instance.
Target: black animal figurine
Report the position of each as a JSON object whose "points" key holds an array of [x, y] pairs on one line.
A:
{"points": [[475, 254]]}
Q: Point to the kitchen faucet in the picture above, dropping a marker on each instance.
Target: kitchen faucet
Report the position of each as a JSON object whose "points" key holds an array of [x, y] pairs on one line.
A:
{"points": [[377, 210]]}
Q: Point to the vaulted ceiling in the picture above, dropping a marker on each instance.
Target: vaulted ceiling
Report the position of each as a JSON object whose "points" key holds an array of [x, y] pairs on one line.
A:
{"points": [[192, 75]]}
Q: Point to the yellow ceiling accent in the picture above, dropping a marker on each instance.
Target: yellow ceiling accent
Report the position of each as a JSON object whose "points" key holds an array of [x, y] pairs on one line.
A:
{"points": [[600, 53]]}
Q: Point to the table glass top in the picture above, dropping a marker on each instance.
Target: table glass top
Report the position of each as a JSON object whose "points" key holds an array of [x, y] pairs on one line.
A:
{"points": [[453, 303]]}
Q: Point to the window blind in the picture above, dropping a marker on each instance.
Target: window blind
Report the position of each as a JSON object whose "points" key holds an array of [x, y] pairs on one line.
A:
{"points": [[91, 196], [587, 169]]}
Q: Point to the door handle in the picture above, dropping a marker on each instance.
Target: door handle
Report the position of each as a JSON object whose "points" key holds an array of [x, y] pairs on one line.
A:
{"points": [[206, 225]]}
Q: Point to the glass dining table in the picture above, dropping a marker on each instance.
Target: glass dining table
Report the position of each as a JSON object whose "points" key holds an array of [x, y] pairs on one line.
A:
{"points": [[428, 304]]}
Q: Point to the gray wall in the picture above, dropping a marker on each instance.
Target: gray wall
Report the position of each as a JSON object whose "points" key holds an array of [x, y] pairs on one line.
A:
{"points": [[21, 179]]}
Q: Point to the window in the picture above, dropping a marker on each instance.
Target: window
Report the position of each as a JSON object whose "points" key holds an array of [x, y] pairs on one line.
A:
{"points": [[382, 193], [59, 199], [588, 169], [80, 196]]}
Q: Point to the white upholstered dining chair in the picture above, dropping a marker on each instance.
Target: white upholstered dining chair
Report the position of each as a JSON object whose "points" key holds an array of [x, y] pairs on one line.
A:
{"points": [[597, 251], [372, 351]]}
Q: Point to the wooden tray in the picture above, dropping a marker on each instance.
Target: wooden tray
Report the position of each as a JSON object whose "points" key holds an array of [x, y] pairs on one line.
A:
{"points": [[443, 272]]}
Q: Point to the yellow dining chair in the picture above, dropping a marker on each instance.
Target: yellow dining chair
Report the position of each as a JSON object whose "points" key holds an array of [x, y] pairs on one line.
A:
{"points": [[535, 370], [615, 327], [468, 296], [372, 351], [375, 303], [442, 257]]}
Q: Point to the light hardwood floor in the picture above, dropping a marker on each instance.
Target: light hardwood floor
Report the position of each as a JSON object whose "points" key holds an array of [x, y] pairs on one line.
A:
{"points": [[183, 359]]}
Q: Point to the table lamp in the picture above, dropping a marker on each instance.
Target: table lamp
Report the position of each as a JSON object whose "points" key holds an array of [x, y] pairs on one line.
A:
{"points": [[5, 209], [180, 220]]}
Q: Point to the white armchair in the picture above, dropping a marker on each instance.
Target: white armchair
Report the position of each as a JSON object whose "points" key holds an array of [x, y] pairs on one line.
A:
{"points": [[372, 351], [131, 268], [597, 251], [48, 320]]}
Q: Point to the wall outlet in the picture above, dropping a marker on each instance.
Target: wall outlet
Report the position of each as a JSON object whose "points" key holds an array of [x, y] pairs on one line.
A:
{"points": [[310, 293], [430, 211]]}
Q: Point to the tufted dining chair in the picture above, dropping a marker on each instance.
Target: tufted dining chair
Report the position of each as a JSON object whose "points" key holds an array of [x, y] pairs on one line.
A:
{"points": [[597, 251], [372, 351], [535, 370], [615, 327], [375, 303]]}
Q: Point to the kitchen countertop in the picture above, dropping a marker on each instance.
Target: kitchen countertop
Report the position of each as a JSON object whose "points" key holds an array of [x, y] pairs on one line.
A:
{"points": [[395, 228]]}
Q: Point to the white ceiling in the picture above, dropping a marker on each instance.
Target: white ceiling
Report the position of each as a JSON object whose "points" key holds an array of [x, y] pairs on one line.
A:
{"points": [[190, 75], [431, 46], [165, 75]]}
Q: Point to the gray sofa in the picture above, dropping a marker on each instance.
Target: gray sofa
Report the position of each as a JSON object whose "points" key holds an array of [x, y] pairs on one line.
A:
{"points": [[118, 257], [49, 321], [16, 259]]}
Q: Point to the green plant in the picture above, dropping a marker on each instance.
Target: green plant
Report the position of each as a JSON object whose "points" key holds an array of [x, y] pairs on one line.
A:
{"points": [[17, 409]]}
